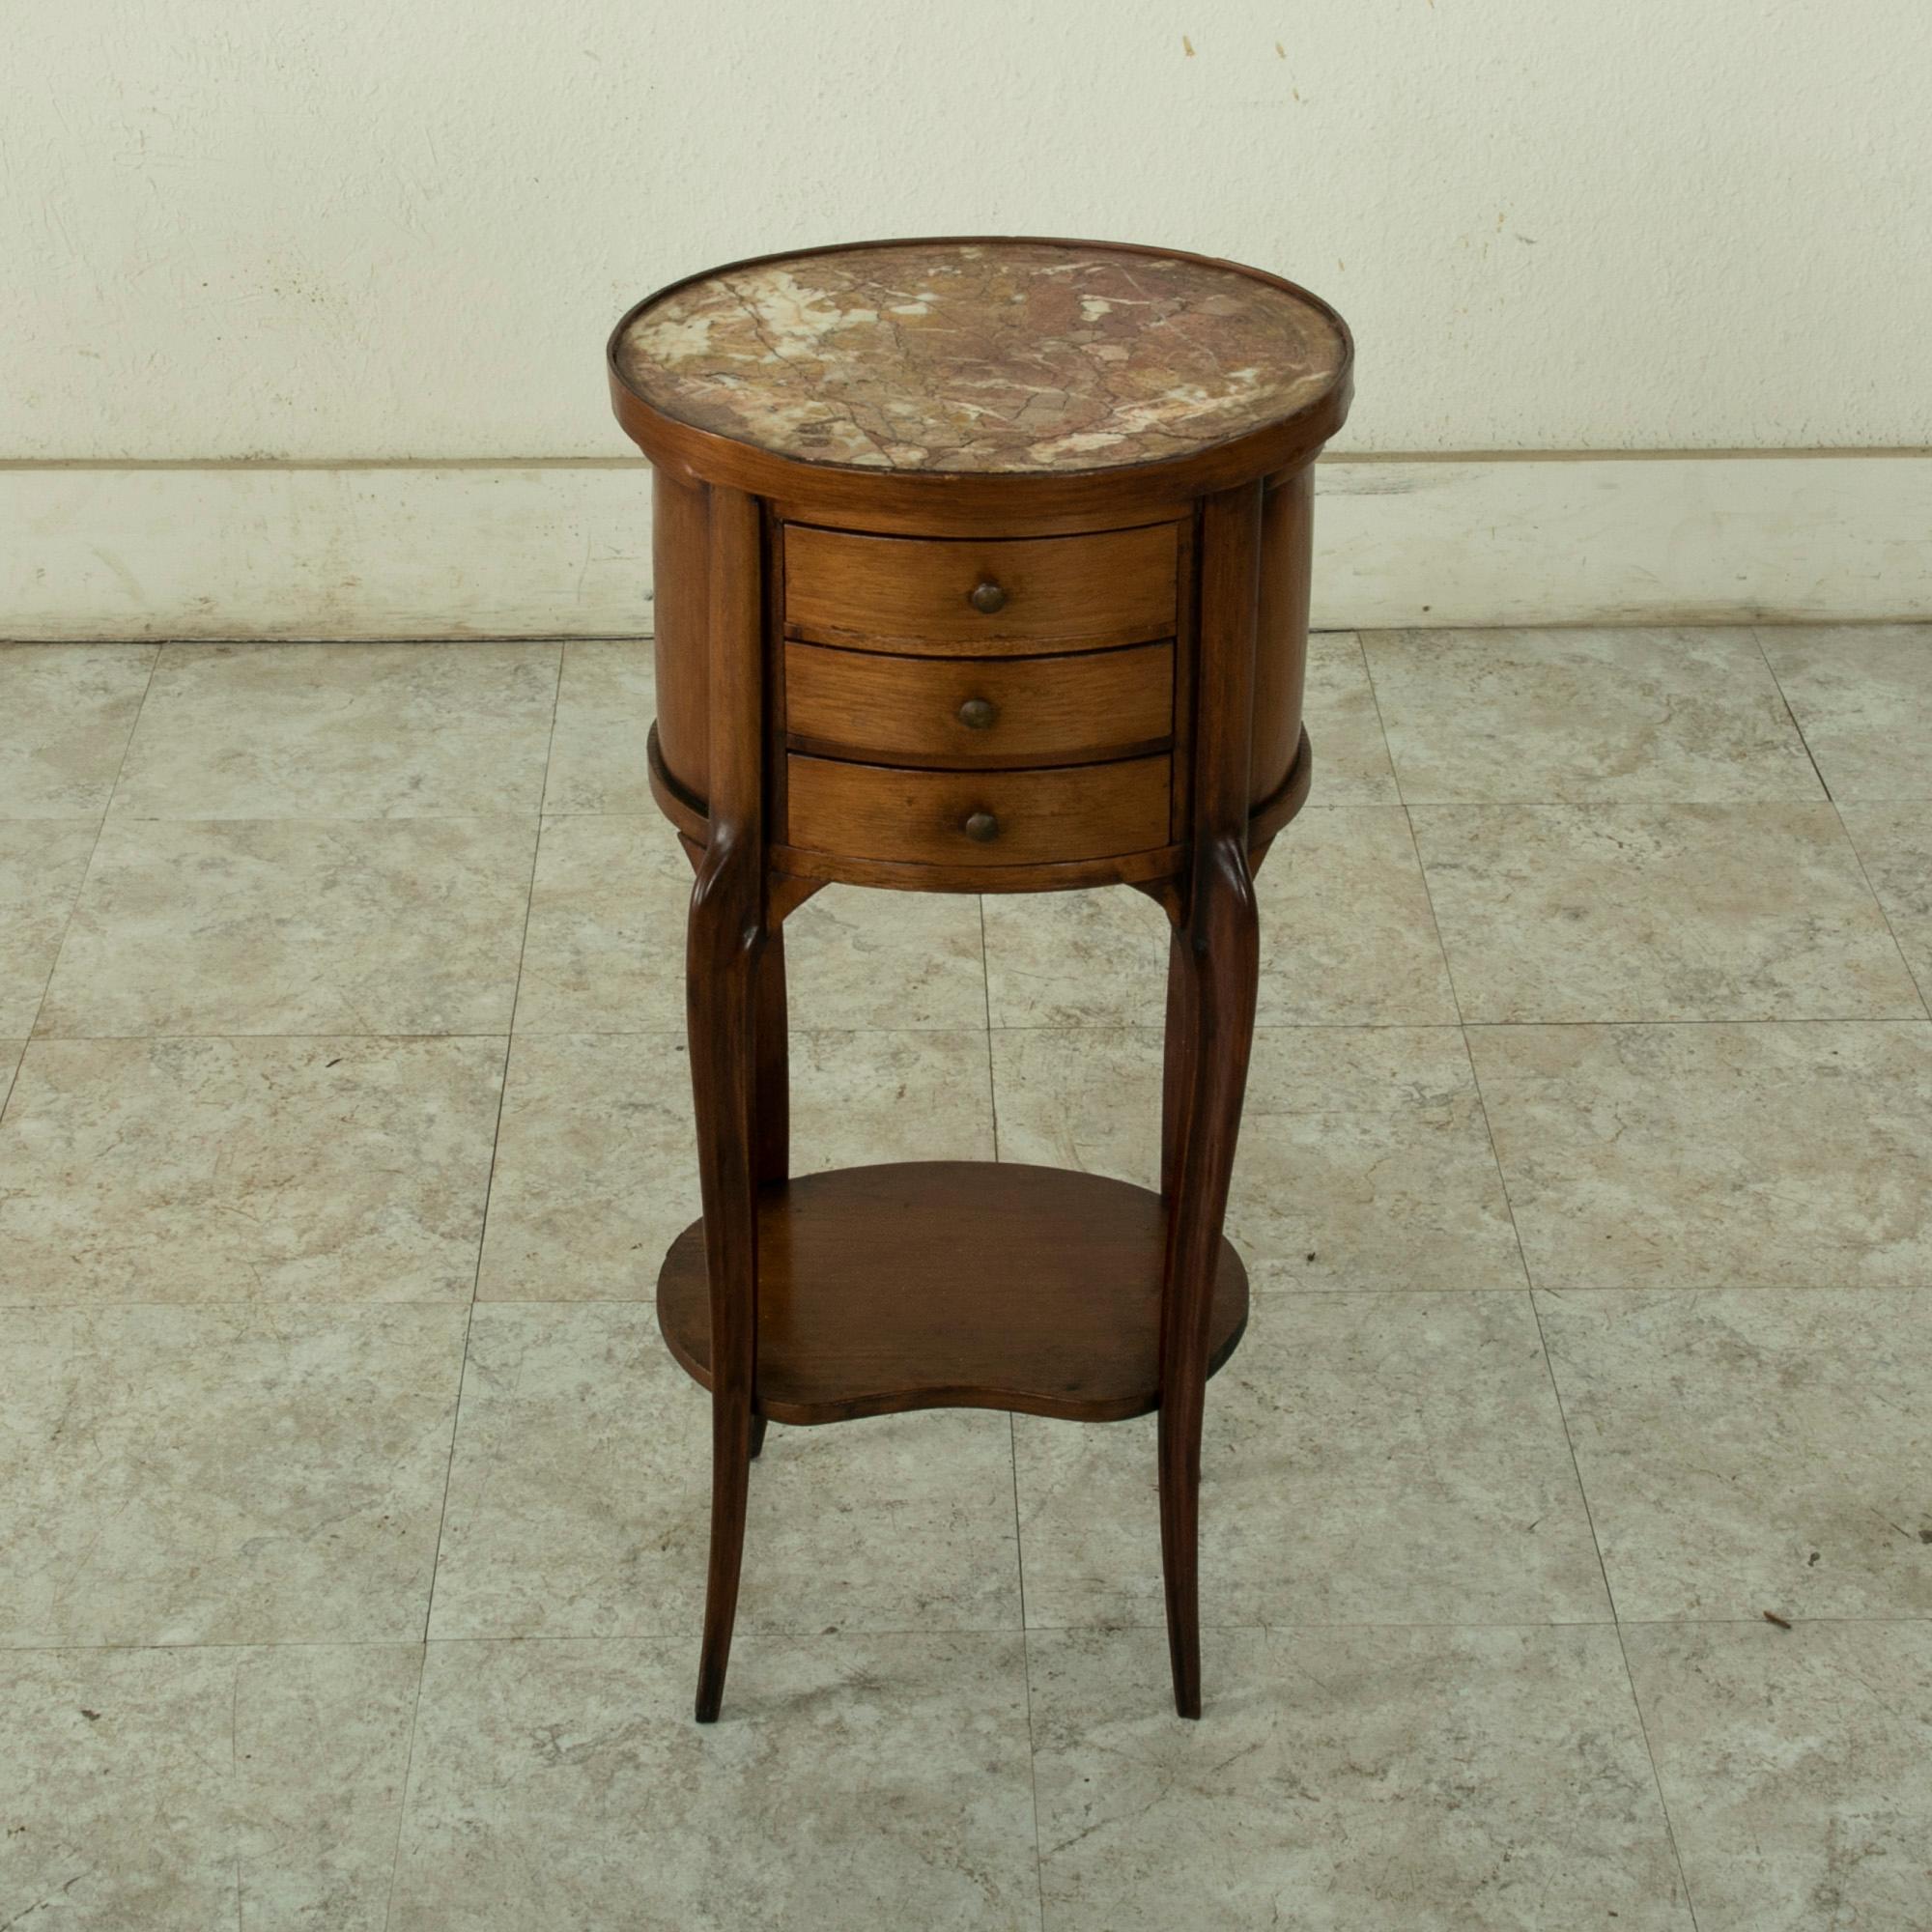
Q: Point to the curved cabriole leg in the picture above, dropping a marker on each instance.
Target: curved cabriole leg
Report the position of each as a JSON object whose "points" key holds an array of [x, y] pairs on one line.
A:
{"points": [[773, 1077], [1215, 958], [1177, 1058], [1211, 1021], [772, 1109], [726, 991], [772, 1105], [725, 942]]}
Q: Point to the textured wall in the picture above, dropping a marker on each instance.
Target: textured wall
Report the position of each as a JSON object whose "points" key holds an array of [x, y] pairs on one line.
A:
{"points": [[332, 230]]}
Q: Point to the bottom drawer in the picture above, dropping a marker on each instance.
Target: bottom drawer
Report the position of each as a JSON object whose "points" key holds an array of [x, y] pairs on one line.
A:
{"points": [[984, 818]]}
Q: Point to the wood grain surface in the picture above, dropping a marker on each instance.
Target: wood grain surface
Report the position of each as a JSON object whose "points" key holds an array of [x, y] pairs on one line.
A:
{"points": [[1058, 594], [885, 812], [969, 712], [954, 1284]]}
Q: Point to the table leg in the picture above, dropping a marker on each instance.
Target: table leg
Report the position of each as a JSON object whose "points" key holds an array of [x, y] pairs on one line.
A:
{"points": [[1212, 971], [1215, 960], [726, 991], [1177, 1058], [771, 1113], [724, 959]]}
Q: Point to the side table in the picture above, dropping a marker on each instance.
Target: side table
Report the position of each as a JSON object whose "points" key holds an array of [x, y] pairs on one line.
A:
{"points": [[981, 566]]}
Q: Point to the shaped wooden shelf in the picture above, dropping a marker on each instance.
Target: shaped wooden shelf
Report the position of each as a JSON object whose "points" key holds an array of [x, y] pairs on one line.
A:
{"points": [[952, 1284]]}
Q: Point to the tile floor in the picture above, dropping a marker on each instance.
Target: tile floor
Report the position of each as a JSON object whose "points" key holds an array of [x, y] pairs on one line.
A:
{"points": [[352, 1514]]}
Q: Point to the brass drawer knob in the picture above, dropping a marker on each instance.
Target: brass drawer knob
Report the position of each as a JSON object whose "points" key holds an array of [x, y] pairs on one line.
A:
{"points": [[981, 827], [978, 713], [986, 597]]}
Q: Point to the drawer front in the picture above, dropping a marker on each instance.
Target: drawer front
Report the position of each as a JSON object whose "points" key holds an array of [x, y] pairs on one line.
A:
{"points": [[922, 817], [979, 711], [965, 597]]}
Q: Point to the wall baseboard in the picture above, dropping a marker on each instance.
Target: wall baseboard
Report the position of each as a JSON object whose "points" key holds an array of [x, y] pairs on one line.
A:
{"points": [[563, 549]]}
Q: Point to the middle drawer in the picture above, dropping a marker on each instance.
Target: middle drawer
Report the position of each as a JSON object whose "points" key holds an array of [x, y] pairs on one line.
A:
{"points": [[974, 712]]}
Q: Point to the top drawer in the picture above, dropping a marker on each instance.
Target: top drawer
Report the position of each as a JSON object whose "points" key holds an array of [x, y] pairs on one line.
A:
{"points": [[964, 597]]}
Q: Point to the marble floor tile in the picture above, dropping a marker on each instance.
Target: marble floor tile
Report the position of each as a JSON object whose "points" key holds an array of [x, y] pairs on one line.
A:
{"points": [[343, 730], [1366, 1459], [278, 926], [858, 958], [1338, 708], [1894, 842], [66, 714], [1751, 1450], [1359, 1780], [1862, 696], [247, 1170], [1797, 1766], [182, 1789], [596, 1165], [1784, 1154], [580, 1499], [1347, 939], [43, 862], [1364, 1159], [1585, 717], [223, 1475], [10, 1051], [1080, 959], [604, 952], [604, 705], [1678, 912], [872, 1783]]}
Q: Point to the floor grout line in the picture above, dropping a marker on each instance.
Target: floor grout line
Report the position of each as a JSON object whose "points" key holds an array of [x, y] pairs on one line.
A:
{"points": [[338, 1036], [1461, 1024], [403, 1793], [1831, 799], [986, 999], [1479, 1027], [347, 1310], [1013, 1457], [1026, 1669], [87, 872], [1798, 730], [470, 1322], [1117, 1025], [1859, 858], [1569, 1442], [1382, 722], [848, 1632], [1616, 1623]]}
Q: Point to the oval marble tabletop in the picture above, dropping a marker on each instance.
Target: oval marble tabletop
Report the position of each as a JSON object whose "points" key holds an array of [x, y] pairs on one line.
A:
{"points": [[993, 357]]}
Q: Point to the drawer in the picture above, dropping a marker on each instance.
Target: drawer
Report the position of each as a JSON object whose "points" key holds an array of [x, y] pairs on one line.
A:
{"points": [[877, 811], [964, 597], [979, 711]]}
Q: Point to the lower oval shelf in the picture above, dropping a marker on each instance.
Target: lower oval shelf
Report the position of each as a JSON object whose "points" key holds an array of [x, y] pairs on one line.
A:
{"points": [[951, 1285]]}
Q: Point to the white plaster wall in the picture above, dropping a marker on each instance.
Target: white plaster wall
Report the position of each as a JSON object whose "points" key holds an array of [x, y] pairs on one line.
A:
{"points": [[365, 229], [562, 550]]}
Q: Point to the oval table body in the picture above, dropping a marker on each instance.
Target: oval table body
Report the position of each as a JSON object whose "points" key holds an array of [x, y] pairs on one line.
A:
{"points": [[981, 566]]}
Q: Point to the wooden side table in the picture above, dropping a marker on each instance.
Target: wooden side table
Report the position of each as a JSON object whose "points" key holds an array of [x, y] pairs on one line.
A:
{"points": [[981, 567]]}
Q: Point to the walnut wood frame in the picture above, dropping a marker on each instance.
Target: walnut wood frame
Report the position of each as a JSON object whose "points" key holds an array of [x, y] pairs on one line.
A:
{"points": [[1112, 1300]]}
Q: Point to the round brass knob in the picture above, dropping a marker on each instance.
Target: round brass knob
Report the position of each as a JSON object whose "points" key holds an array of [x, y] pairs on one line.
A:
{"points": [[982, 827], [977, 713], [986, 597]]}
